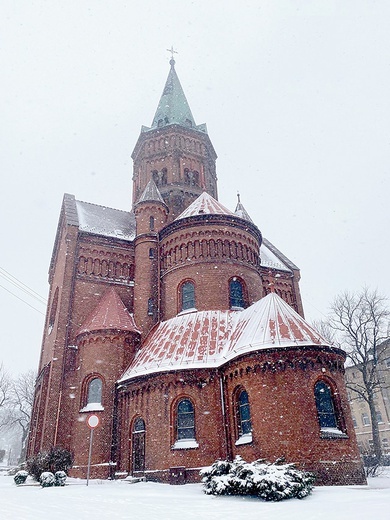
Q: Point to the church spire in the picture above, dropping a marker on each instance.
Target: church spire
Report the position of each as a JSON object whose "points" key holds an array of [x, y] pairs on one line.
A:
{"points": [[175, 152], [173, 107]]}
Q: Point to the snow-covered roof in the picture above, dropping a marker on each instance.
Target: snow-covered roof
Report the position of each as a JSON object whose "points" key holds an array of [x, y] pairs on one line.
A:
{"points": [[269, 259], [283, 260], [109, 314], [212, 338], [241, 212], [205, 204], [104, 221]]}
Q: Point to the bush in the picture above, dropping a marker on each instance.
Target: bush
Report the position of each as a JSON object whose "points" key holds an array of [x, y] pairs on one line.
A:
{"points": [[272, 482], [60, 477], [56, 459], [20, 477], [47, 479], [373, 466]]}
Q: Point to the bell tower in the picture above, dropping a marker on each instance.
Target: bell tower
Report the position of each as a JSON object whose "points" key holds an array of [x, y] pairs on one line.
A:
{"points": [[174, 152]]}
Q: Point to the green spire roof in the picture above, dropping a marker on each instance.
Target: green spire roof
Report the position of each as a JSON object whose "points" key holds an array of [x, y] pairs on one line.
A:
{"points": [[173, 107]]}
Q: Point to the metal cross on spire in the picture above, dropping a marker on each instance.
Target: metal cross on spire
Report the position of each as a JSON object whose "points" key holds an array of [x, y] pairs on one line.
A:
{"points": [[172, 51]]}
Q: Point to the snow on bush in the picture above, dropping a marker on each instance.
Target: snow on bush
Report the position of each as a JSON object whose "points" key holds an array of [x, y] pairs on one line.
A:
{"points": [[47, 479], [268, 481], [20, 477], [60, 477], [56, 459]]}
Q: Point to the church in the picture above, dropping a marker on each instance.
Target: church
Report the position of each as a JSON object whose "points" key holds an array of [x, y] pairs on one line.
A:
{"points": [[181, 328]]}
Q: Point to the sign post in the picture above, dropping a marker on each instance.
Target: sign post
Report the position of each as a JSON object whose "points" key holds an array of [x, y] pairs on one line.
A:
{"points": [[93, 421]]}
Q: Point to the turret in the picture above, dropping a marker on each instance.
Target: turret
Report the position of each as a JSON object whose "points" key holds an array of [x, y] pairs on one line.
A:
{"points": [[209, 259], [105, 345], [151, 215]]}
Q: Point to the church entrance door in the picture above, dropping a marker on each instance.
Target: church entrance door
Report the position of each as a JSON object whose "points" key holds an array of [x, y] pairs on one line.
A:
{"points": [[138, 446]]}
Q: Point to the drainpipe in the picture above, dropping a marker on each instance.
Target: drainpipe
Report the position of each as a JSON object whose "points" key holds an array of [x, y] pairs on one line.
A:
{"points": [[229, 454]]}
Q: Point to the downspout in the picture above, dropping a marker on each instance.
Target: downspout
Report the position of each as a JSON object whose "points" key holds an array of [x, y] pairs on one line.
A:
{"points": [[114, 435], [228, 454], [158, 277]]}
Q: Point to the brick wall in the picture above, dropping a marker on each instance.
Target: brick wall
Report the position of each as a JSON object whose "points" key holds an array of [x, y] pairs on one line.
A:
{"points": [[280, 386]]}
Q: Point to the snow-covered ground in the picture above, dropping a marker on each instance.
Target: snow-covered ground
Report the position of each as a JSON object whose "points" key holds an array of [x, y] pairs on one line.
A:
{"points": [[120, 500]]}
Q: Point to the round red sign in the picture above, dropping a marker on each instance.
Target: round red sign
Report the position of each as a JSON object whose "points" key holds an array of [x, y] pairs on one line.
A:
{"points": [[93, 421]]}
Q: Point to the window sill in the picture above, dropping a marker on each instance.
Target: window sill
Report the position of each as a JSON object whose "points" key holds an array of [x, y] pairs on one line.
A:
{"points": [[185, 444], [244, 439], [332, 433], [187, 311], [92, 407]]}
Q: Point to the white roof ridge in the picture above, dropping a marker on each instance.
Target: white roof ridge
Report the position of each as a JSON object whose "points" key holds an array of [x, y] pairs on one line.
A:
{"points": [[103, 207]]}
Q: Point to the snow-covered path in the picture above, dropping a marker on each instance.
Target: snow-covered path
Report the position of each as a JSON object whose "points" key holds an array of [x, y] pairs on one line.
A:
{"points": [[119, 500]]}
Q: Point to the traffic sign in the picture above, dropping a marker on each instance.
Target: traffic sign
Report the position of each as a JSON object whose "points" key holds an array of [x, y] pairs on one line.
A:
{"points": [[93, 421]]}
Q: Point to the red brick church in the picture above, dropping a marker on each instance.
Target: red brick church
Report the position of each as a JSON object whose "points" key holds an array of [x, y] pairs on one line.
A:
{"points": [[181, 327]]}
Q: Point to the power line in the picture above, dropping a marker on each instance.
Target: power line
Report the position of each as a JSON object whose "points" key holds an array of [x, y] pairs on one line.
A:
{"points": [[22, 286], [21, 299]]}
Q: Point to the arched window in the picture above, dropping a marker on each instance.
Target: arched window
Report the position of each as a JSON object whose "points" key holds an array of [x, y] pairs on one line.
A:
{"points": [[185, 427], [243, 413], [325, 405], [95, 391], [92, 394], [139, 425], [236, 294], [151, 223], [187, 296]]}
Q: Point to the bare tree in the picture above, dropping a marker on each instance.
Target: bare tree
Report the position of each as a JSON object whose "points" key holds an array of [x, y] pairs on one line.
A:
{"points": [[362, 323], [21, 403], [5, 396], [326, 331]]}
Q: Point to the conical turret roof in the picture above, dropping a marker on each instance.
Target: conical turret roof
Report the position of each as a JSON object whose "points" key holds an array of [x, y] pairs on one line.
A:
{"points": [[109, 314], [271, 323], [151, 193], [173, 107], [240, 211], [205, 204]]}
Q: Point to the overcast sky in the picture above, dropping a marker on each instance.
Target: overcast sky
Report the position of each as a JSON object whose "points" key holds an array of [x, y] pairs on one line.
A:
{"points": [[295, 95]]}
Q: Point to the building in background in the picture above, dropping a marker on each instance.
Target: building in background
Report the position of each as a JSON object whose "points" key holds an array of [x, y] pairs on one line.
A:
{"points": [[181, 327], [360, 411]]}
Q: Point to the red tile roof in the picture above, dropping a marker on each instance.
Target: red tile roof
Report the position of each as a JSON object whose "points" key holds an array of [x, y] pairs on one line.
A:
{"points": [[109, 314], [205, 204], [211, 338]]}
